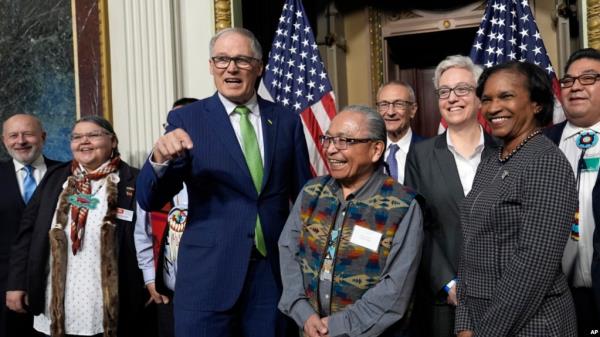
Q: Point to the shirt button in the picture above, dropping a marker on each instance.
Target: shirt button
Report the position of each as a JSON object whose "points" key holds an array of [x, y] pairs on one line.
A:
{"points": [[327, 296]]}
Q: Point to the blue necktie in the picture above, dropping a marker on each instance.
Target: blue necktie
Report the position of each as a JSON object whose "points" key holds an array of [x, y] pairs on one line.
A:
{"points": [[29, 183], [392, 162]]}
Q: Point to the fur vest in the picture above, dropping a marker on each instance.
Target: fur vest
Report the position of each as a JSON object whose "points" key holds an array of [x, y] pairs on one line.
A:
{"points": [[59, 250]]}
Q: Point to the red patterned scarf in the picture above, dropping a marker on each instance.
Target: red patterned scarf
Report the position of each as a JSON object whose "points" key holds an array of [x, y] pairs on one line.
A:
{"points": [[83, 192]]}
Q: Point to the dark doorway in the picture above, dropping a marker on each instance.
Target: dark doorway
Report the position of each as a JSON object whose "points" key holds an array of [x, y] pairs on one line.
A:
{"points": [[413, 58]]}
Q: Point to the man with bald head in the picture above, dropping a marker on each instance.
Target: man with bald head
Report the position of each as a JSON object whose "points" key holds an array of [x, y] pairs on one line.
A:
{"points": [[396, 103], [23, 137]]}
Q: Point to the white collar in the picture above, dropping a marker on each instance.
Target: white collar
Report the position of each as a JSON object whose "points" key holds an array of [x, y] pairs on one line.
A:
{"points": [[38, 163], [404, 142], [479, 146], [251, 104], [572, 130]]}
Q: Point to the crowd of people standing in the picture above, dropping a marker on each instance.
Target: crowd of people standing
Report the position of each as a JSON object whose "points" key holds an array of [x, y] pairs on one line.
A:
{"points": [[463, 234]]}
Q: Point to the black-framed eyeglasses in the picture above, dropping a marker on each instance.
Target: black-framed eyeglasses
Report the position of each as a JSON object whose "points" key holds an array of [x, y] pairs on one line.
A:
{"points": [[585, 79], [459, 91], [400, 105], [341, 143], [243, 62], [92, 136]]}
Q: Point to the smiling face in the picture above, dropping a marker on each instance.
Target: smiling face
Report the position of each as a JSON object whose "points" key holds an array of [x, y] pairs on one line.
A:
{"points": [[506, 104], [397, 121], [352, 166], [458, 111], [94, 146], [582, 102], [235, 84], [23, 138]]}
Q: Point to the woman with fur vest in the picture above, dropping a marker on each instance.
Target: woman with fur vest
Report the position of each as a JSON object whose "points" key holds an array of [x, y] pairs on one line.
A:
{"points": [[73, 264]]}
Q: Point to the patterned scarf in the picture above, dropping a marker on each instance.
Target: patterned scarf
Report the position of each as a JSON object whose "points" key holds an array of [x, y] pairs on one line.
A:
{"points": [[83, 186]]}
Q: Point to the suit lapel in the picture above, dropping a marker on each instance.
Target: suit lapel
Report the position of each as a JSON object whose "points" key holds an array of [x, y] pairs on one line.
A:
{"points": [[269, 120], [125, 197], [447, 167], [13, 185], [225, 133], [490, 146]]}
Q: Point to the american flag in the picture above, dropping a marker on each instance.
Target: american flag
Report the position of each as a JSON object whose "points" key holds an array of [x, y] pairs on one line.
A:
{"points": [[508, 32], [296, 78]]}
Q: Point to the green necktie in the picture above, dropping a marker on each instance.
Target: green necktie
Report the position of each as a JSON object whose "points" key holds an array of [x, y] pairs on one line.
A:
{"points": [[254, 162]]}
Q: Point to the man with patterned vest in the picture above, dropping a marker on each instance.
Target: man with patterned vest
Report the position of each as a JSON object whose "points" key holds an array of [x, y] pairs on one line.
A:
{"points": [[351, 246]]}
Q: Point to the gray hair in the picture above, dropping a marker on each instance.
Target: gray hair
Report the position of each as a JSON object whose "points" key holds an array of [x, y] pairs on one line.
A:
{"points": [[456, 61], [375, 123], [254, 44], [411, 91]]}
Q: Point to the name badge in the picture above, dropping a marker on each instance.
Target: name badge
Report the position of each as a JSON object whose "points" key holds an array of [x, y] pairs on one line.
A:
{"points": [[124, 214], [365, 237]]}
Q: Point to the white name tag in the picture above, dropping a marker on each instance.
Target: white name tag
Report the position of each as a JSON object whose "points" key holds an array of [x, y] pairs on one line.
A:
{"points": [[366, 238], [124, 214]]}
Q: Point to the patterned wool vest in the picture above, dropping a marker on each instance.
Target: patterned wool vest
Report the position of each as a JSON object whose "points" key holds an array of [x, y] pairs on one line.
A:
{"points": [[356, 268]]}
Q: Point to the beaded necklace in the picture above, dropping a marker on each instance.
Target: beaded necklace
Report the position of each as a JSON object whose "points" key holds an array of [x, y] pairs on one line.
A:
{"points": [[516, 149]]}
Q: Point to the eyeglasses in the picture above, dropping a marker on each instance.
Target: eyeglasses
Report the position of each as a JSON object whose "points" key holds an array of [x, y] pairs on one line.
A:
{"points": [[242, 62], [341, 143], [459, 91], [399, 105], [92, 136], [585, 79]]}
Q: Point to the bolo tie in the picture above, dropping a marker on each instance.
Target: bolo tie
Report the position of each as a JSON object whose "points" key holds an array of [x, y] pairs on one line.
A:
{"points": [[585, 140]]}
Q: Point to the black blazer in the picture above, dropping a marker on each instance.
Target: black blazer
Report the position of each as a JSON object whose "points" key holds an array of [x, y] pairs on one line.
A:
{"points": [[432, 172], [30, 252], [555, 133], [11, 210]]}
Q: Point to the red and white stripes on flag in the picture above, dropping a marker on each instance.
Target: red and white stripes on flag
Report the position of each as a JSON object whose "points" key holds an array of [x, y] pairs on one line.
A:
{"points": [[295, 77]]}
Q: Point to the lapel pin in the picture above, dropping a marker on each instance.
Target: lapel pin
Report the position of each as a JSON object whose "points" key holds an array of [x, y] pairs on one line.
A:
{"points": [[129, 191], [504, 174], [269, 121]]}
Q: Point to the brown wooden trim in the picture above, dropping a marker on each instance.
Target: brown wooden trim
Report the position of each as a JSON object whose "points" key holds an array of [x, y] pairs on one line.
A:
{"points": [[91, 52]]}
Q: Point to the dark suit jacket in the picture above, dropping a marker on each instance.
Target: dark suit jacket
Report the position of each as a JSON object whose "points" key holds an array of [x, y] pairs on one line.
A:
{"points": [[431, 171], [11, 210], [223, 203], [555, 133], [29, 259], [516, 221]]}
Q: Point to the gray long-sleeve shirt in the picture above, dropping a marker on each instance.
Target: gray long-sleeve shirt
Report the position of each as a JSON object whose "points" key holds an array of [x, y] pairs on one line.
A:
{"points": [[380, 306]]}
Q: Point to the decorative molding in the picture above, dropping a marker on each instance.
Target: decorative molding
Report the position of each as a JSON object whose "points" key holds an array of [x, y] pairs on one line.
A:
{"points": [[593, 23], [481, 6], [428, 21], [402, 15], [105, 59], [376, 50], [222, 14]]}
